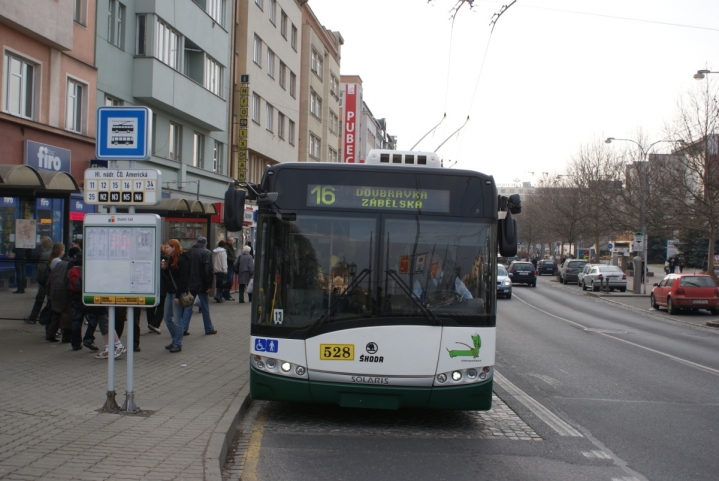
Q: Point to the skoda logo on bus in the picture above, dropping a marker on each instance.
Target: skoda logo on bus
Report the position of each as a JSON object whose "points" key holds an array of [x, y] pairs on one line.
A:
{"points": [[371, 348]]}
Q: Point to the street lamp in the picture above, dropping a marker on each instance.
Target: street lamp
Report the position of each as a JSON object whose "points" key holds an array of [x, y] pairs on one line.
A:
{"points": [[702, 73], [645, 158]]}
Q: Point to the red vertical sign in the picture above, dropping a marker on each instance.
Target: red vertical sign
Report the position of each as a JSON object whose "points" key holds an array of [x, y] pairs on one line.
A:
{"points": [[350, 132]]}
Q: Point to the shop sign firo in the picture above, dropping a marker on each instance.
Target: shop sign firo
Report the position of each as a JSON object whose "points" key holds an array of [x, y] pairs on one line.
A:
{"points": [[47, 158]]}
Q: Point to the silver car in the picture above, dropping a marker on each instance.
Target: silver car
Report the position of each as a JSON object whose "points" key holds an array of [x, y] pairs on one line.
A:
{"points": [[600, 276], [504, 283], [569, 272]]}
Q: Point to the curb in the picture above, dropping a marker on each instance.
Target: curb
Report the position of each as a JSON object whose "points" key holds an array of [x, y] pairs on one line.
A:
{"points": [[224, 433]]}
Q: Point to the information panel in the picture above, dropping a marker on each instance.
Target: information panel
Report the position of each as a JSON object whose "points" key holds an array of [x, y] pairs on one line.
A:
{"points": [[121, 260], [123, 186], [357, 197]]}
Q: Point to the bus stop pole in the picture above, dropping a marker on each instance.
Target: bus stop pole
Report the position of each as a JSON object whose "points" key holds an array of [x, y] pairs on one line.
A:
{"points": [[129, 405], [110, 403]]}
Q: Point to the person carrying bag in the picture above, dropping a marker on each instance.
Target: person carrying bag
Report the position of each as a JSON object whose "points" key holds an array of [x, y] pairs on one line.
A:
{"points": [[178, 298]]}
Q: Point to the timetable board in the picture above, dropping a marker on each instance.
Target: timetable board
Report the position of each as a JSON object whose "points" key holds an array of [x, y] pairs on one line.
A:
{"points": [[121, 260], [123, 186]]}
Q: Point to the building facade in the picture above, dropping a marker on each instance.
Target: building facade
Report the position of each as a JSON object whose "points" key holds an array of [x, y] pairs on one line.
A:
{"points": [[173, 57], [47, 120], [319, 91]]}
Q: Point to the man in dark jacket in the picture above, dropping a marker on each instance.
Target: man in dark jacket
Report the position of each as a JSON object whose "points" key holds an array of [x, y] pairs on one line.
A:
{"points": [[200, 281], [230, 279]]}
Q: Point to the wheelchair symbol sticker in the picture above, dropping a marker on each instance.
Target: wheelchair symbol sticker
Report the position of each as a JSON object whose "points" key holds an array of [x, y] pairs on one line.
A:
{"points": [[266, 345]]}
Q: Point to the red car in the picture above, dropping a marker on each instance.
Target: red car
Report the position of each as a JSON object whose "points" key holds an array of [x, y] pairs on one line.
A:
{"points": [[686, 291]]}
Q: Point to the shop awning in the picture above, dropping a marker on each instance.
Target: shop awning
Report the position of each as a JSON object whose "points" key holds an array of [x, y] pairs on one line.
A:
{"points": [[18, 179], [179, 206]]}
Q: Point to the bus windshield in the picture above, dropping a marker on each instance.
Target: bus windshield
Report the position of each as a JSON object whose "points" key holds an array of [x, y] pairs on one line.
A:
{"points": [[370, 267]]}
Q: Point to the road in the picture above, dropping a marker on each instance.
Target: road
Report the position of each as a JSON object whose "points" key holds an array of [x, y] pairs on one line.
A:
{"points": [[586, 389]]}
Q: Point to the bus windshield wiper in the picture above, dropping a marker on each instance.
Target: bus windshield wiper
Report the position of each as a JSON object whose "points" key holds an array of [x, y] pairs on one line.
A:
{"points": [[403, 285], [338, 300]]}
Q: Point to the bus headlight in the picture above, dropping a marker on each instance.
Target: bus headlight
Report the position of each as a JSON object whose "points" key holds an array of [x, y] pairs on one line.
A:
{"points": [[271, 363], [300, 370], [260, 365], [442, 377], [278, 367], [482, 375], [456, 375], [472, 373], [286, 366], [464, 376]]}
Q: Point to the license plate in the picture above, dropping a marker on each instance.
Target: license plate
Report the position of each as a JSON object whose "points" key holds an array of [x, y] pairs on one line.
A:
{"points": [[700, 301], [337, 352], [523, 272]]}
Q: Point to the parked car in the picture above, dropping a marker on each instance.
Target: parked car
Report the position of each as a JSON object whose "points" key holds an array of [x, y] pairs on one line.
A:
{"points": [[686, 291], [601, 275], [546, 266], [585, 270], [569, 272], [523, 272], [504, 283]]}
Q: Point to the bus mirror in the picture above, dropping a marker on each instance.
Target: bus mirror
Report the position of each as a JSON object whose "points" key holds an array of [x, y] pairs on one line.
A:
{"points": [[234, 208], [267, 198], [514, 204], [507, 236]]}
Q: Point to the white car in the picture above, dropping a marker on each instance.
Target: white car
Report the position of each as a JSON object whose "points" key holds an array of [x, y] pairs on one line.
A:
{"points": [[600, 276], [504, 283]]}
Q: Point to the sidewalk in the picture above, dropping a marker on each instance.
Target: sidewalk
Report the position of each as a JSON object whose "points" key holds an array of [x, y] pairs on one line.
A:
{"points": [[50, 396]]}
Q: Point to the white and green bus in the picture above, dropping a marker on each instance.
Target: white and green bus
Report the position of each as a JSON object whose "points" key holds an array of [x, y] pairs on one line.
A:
{"points": [[375, 283]]}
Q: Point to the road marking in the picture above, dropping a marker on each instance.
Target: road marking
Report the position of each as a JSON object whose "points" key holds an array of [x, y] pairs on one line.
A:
{"points": [[596, 454], [625, 478], [695, 365], [551, 419], [249, 472]]}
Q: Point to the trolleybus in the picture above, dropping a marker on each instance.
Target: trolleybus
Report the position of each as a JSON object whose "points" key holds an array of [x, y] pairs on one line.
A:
{"points": [[375, 283]]}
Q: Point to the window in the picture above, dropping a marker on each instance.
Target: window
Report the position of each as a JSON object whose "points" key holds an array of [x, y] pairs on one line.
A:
{"points": [[293, 39], [258, 3], [213, 76], [273, 11], [258, 51], [74, 106], [291, 133], [315, 104], [280, 125], [111, 5], [333, 155], [283, 23], [78, 12], [141, 35], [315, 146], [217, 158], [283, 75], [111, 101], [334, 122], [269, 120], [256, 108], [270, 63], [174, 141], [167, 45], [20, 87], [119, 39], [293, 86], [198, 150], [316, 63], [215, 9], [334, 85]]}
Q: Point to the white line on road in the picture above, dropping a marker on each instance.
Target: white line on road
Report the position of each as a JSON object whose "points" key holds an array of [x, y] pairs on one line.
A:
{"points": [[551, 419], [596, 454], [700, 367]]}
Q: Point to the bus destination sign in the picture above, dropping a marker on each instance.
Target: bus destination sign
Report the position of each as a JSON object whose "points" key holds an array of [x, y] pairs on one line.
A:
{"points": [[357, 197]]}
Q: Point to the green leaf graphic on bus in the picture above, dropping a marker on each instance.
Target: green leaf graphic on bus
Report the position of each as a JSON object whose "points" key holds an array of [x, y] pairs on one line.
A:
{"points": [[473, 351]]}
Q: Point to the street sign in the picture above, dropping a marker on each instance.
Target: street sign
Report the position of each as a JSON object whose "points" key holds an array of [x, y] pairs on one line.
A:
{"points": [[123, 133], [121, 259], [123, 186], [609, 246], [558, 244], [245, 78]]}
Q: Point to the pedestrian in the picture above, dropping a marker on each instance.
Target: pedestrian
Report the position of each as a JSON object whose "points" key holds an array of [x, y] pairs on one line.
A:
{"points": [[41, 275], [74, 280], [231, 256], [156, 313], [121, 313], [219, 268], [252, 252], [672, 264], [60, 301], [705, 265], [178, 269], [681, 264], [245, 270], [21, 255], [200, 282], [250, 288], [666, 266]]}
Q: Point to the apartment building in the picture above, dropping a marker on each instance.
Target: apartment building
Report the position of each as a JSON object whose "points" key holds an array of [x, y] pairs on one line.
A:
{"points": [[268, 41], [319, 91], [47, 117]]}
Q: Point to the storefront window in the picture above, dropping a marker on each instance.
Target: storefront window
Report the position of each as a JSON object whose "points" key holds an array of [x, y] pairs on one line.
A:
{"points": [[187, 232]]}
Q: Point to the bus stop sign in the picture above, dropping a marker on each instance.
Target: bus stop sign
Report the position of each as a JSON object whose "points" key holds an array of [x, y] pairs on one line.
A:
{"points": [[123, 133]]}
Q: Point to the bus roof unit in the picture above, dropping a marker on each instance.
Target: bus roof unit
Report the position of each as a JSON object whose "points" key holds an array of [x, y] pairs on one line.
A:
{"points": [[403, 157]]}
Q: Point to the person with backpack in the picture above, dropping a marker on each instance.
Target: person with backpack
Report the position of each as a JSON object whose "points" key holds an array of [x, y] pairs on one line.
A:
{"points": [[41, 275], [60, 302], [74, 281]]}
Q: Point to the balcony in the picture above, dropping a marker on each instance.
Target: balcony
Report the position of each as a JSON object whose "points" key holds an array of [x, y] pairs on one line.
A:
{"points": [[159, 85], [48, 21]]}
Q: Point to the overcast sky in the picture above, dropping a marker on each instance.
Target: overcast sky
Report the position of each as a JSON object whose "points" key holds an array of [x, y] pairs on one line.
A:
{"points": [[557, 73]]}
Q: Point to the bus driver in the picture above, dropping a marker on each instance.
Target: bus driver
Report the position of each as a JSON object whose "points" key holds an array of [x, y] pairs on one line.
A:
{"points": [[441, 287]]}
